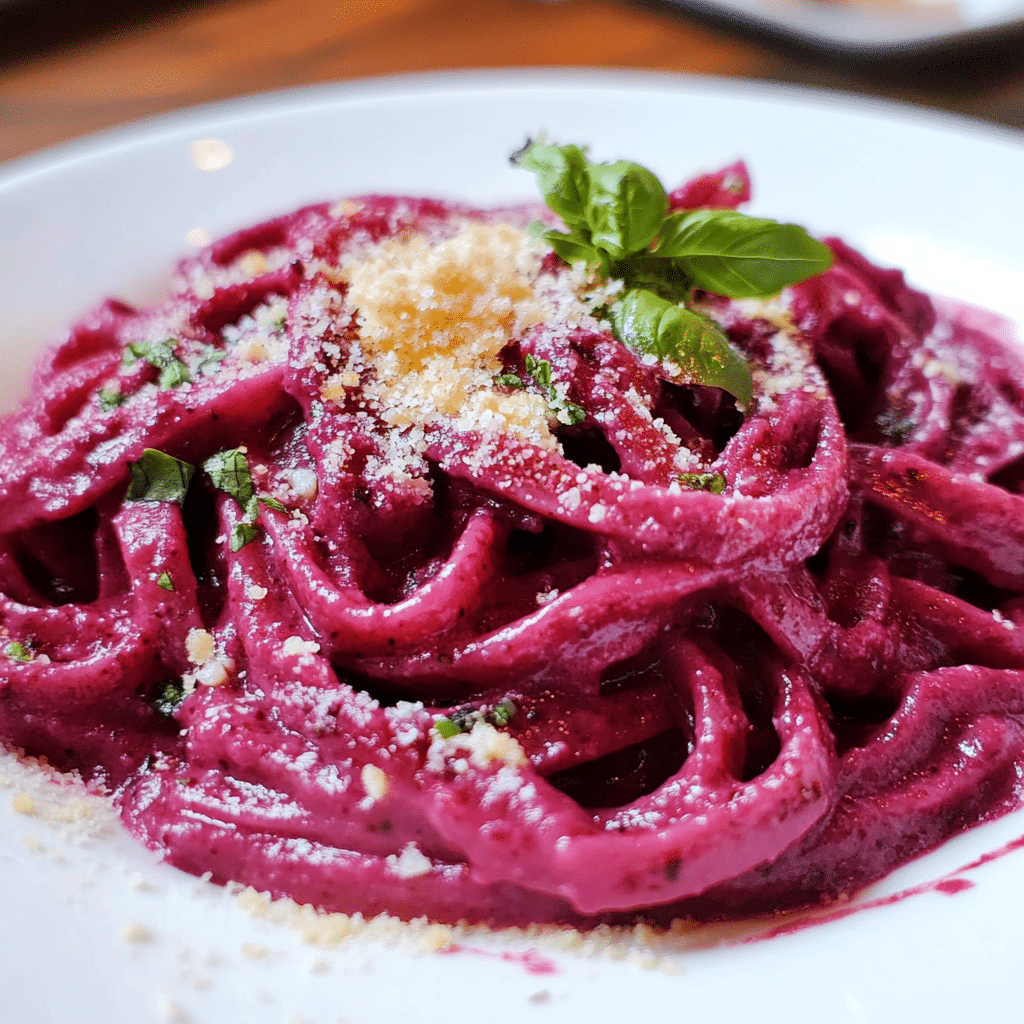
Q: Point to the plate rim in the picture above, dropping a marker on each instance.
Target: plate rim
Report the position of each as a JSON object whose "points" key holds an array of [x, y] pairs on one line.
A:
{"points": [[138, 132], [158, 129]]}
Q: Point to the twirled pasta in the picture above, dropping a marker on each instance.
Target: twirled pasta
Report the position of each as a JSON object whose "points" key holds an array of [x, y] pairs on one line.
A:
{"points": [[715, 702]]}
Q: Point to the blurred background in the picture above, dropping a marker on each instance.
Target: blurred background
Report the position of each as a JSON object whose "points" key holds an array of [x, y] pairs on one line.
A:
{"points": [[68, 67]]}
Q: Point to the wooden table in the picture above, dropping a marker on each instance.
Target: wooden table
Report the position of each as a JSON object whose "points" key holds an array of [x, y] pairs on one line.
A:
{"points": [[197, 52]]}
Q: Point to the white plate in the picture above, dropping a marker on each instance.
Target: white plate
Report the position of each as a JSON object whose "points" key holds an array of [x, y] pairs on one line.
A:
{"points": [[871, 27], [108, 216]]}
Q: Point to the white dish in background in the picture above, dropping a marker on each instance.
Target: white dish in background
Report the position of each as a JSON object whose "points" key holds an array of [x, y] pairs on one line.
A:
{"points": [[871, 28], [109, 215]]}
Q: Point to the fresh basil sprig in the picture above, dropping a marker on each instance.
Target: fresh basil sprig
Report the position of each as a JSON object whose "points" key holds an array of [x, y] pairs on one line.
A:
{"points": [[619, 222]]}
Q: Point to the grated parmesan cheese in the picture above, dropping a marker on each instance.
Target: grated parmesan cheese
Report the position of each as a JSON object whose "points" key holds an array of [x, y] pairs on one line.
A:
{"points": [[199, 646], [433, 320], [410, 863]]}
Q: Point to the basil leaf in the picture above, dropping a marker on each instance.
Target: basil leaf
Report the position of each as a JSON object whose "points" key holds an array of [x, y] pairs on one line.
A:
{"points": [[571, 248], [159, 477], [563, 176], [738, 256], [165, 582], [510, 380], [229, 472], [626, 207], [647, 323]]}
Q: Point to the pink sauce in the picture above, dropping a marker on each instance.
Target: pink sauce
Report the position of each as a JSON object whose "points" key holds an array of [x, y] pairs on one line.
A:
{"points": [[530, 960], [727, 704], [948, 885]]}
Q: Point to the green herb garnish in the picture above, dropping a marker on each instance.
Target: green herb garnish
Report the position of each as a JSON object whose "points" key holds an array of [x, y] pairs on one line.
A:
{"points": [[502, 713], [619, 223], [161, 355], [18, 651], [242, 534], [164, 580], [713, 482], [266, 499], [463, 719], [210, 359], [169, 698], [446, 728], [159, 477], [229, 472], [111, 398], [649, 324], [566, 413]]}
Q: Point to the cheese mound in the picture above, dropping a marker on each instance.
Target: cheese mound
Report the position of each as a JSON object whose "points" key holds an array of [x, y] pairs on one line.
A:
{"points": [[434, 318]]}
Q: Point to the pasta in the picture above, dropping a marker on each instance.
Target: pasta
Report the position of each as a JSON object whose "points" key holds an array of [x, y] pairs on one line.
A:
{"points": [[371, 568]]}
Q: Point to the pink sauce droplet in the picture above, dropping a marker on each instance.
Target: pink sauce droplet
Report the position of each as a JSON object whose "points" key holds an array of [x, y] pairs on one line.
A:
{"points": [[951, 886]]}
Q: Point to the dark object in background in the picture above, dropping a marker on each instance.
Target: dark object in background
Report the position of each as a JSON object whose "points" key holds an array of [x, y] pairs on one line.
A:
{"points": [[30, 26]]}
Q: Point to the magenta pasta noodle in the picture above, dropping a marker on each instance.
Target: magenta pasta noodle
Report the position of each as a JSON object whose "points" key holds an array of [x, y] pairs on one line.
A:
{"points": [[405, 559]]}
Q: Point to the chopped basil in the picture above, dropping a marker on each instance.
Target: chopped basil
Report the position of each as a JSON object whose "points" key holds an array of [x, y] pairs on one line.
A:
{"points": [[229, 472], [619, 223], [503, 712], [159, 477], [169, 698], [161, 355], [510, 380], [463, 719], [566, 413], [18, 651], [266, 499], [713, 482], [446, 728], [210, 359], [111, 398], [242, 534], [164, 580]]}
